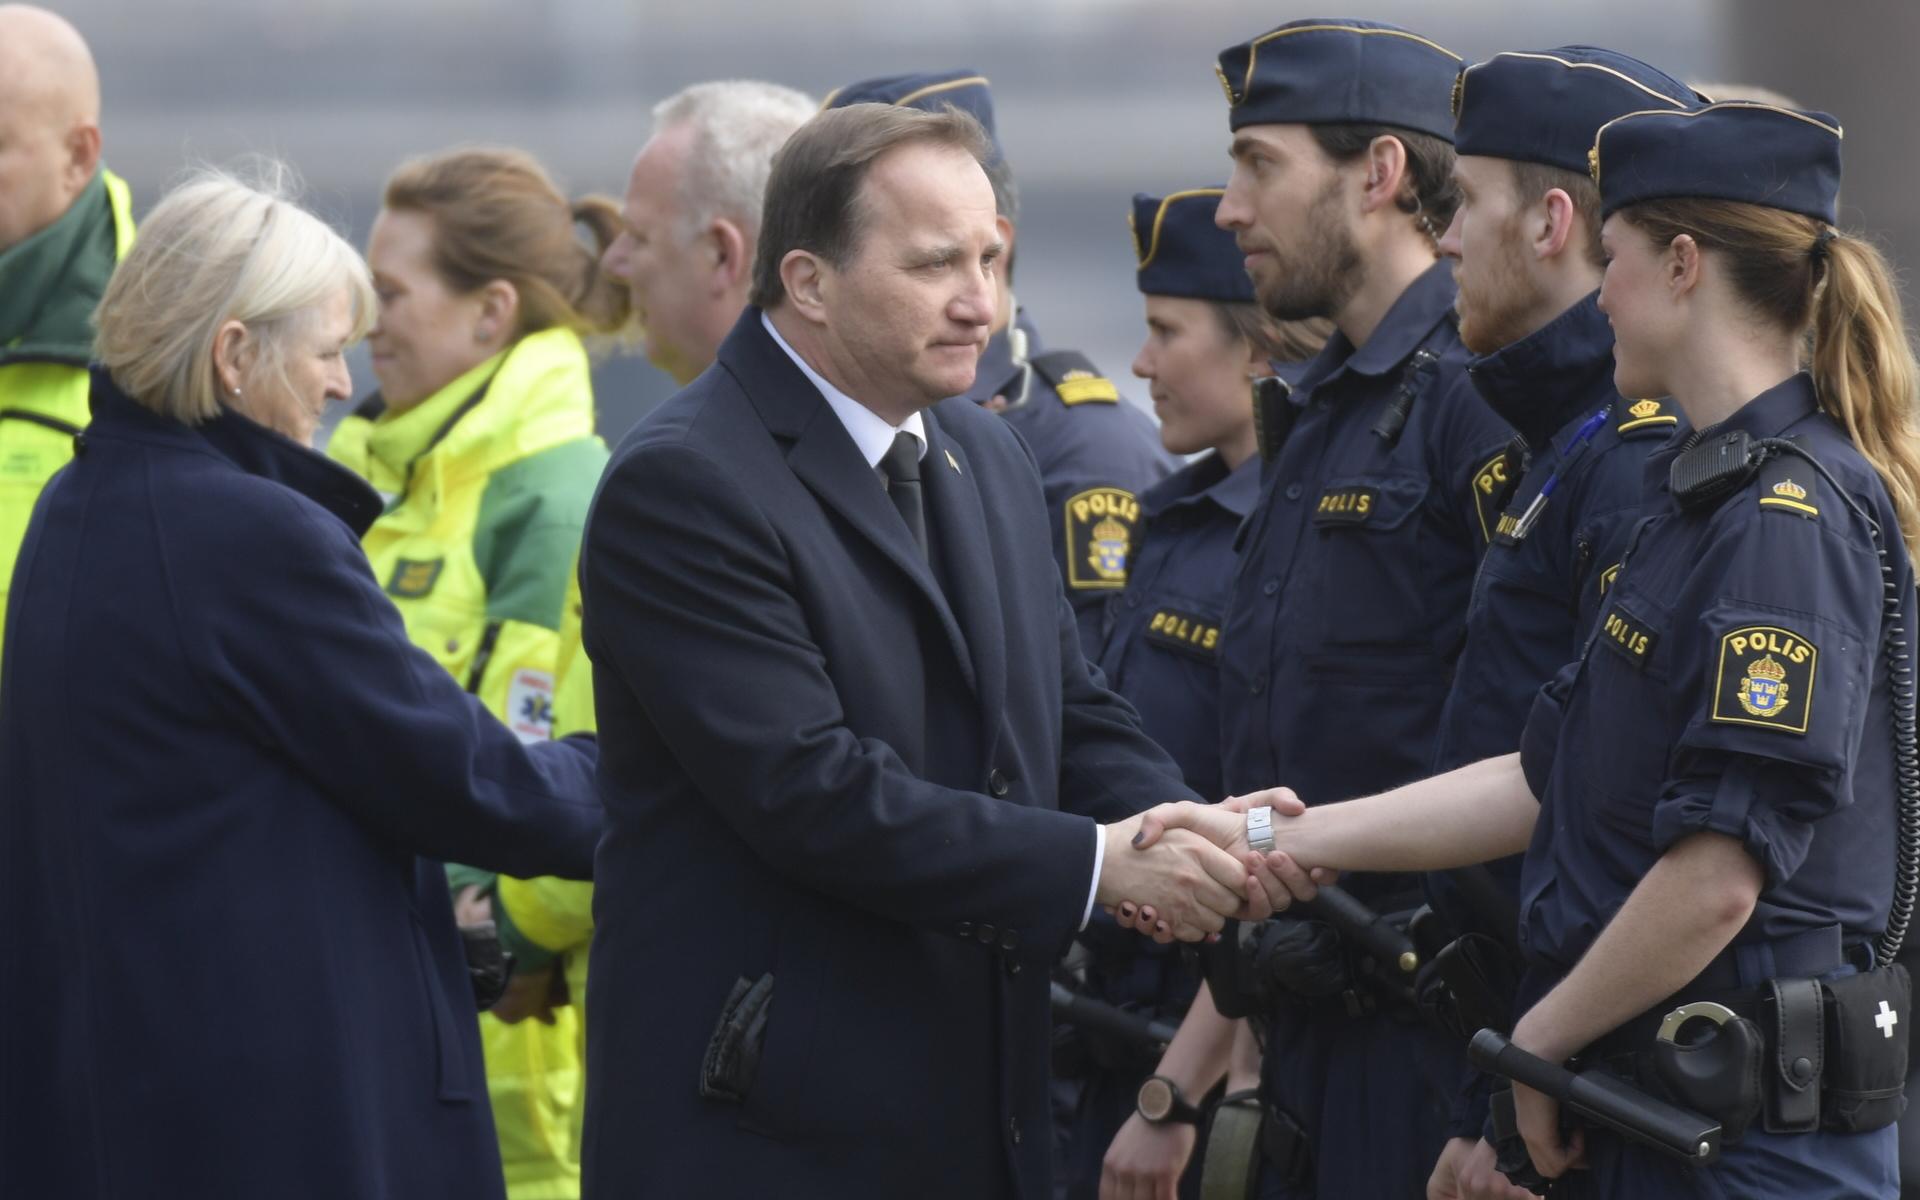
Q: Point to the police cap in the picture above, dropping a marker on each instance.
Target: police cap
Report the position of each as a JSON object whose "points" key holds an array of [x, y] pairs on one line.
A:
{"points": [[1182, 252], [1544, 106], [966, 90], [1739, 150], [1340, 71]]}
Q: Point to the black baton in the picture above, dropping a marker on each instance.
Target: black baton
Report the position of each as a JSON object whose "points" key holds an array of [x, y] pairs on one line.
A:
{"points": [[1603, 1099], [1101, 1017], [1363, 927]]}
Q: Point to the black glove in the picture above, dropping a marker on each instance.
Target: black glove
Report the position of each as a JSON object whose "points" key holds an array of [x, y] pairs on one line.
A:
{"points": [[488, 964]]}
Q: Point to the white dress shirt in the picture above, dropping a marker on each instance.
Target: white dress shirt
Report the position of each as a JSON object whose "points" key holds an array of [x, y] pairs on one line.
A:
{"points": [[873, 437]]}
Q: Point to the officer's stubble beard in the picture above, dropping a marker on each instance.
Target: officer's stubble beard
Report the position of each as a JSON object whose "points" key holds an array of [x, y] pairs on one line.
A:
{"points": [[1499, 302], [1328, 271]]}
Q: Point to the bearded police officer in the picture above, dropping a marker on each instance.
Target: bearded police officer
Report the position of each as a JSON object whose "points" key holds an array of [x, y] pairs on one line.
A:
{"points": [[1526, 245], [1347, 612], [1096, 452]]}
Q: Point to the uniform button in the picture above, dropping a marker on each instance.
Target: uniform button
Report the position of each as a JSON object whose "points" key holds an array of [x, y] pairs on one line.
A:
{"points": [[985, 933], [1802, 1071], [453, 647], [964, 929], [997, 782], [1259, 684], [1270, 587], [1013, 1129], [1133, 601], [1013, 966], [1293, 491], [1009, 940]]}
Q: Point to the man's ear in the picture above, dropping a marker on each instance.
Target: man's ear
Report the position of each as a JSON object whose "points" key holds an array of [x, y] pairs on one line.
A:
{"points": [[732, 254], [83, 156], [806, 278], [1555, 224], [1386, 171]]}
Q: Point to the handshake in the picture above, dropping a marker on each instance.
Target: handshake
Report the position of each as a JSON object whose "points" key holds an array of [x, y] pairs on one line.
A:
{"points": [[1181, 871]]}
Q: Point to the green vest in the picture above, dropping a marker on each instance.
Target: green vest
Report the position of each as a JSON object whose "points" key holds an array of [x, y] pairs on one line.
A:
{"points": [[49, 287]]}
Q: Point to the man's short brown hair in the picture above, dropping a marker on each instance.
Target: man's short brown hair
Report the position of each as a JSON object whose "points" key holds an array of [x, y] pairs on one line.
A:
{"points": [[813, 196], [1534, 180]]}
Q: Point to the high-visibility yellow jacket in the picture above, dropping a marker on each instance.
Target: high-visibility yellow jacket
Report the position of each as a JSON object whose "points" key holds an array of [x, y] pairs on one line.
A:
{"points": [[490, 479], [43, 395]]}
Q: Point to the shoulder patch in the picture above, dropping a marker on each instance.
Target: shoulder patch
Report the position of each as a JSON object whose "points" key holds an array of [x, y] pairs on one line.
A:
{"points": [[1765, 679], [1491, 486], [1186, 632], [1345, 506], [530, 705], [1781, 492], [1630, 636], [1084, 387], [1075, 379], [1645, 414], [413, 579], [1100, 524]]}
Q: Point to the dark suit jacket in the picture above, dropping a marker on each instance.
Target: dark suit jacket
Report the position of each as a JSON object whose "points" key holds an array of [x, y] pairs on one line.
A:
{"points": [[823, 765], [230, 967]]}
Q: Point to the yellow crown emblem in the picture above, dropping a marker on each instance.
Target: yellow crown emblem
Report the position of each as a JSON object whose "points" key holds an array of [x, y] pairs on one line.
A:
{"points": [[1643, 409], [1110, 530], [1593, 163], [1077, 373], [1767, 668], [1787, 487]]}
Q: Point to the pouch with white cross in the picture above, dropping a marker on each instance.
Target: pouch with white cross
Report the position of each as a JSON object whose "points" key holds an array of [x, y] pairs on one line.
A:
{"points": [[1866, 1051]]}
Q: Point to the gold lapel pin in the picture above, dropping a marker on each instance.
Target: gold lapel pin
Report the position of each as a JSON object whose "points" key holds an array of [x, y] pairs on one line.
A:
{"points": [[954, 463]]}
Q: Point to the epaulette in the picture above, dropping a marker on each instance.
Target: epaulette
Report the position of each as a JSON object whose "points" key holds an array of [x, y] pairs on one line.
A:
{"points": [[1074, 378], [1786, 486], [1643, 416]]}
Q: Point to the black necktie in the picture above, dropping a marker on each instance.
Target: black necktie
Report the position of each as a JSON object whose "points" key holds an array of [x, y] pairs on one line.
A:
{"points": [[900, 470]]}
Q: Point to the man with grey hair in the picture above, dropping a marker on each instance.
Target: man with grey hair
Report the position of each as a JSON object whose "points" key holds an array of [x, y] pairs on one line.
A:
{"points": [[692, 213]]}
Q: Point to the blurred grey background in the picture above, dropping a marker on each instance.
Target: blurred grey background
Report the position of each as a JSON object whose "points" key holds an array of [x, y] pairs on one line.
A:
{"points": [[1097, 99]]}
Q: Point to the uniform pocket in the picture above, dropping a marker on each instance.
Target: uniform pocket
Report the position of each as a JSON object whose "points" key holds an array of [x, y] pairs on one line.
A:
{"points": [[1374, 588], [1624, 756]]}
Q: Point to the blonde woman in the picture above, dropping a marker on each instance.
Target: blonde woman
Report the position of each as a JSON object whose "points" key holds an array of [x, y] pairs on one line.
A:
{"points": [[481, 438], [226, 779]]}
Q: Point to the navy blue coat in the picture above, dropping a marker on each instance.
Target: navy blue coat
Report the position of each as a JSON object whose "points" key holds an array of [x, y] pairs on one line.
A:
{"points": [[1097, 454], [826, 762], [227, 971]]}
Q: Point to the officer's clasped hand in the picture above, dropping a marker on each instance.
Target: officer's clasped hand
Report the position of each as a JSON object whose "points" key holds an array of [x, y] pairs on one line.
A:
{"points": [[1280, 880]]}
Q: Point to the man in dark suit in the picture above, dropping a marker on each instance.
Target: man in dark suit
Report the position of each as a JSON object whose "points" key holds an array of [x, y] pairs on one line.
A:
{"points": [[861, 787]]}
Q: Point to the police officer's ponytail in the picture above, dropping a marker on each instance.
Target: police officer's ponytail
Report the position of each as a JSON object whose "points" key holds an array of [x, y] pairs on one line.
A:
{"points": [[1863, 365], [497, 215], [1799, 272]]}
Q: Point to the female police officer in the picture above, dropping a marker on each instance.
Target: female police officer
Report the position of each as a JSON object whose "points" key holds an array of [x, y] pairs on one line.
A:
{"points": [[483, 433], [1715, 778], [226, 780], [1206, 339]]}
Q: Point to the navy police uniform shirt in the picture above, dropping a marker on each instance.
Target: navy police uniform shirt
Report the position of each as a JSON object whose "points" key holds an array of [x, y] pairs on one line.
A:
{"points": [[1162, 635], [1543, 577], [1096, 454], [1348, 608], [1734, 684]]}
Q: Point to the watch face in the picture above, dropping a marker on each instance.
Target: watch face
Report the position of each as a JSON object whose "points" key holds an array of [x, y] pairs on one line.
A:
{"points": [[1155, 1100]]}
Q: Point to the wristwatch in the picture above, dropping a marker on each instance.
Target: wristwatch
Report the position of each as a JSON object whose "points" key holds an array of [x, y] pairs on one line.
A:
{"points": [[1260, 829], [1159, 1102]]}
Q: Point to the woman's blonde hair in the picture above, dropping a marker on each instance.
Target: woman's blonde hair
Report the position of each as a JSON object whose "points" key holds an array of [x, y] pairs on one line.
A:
{"points": [[497, 215], [1796, 271], [216, 249]]}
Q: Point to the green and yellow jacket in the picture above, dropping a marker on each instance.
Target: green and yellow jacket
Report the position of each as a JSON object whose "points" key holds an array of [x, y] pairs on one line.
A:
{"points": [[49, 286], [488, 483]]}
